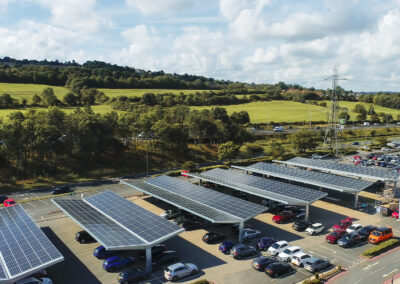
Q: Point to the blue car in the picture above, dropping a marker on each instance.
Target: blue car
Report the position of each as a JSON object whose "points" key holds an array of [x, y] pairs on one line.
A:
{"points": [[117, 262], [265, 243], [101, 252], [225, 247]]}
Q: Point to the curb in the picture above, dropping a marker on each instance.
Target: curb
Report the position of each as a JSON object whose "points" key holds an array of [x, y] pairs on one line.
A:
{"points": [[337, 276], [390, 280]]}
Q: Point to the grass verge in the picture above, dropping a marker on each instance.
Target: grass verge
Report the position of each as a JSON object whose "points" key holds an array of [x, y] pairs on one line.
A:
{"points": [[381, 248]]}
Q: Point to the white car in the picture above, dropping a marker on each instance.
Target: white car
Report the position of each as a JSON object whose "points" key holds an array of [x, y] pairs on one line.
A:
{"points": [[315, 229], [179, 270], [34, 280], [300, 258], [277, 247], [249, 234], [354, 228], [288, 253]]}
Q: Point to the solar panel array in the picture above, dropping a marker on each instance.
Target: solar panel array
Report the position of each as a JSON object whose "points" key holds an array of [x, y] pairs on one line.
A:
{"points": [[141, 222], [210, 214], [271, 189], [340, 183], [343, 169], [24, 247], [106, 231], [236, 207]]}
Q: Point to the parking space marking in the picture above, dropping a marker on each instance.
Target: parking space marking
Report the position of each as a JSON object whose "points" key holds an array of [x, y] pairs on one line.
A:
{"points": [[387, 274], [397, 260], [382, 268], [370, 265], [358, 281]]}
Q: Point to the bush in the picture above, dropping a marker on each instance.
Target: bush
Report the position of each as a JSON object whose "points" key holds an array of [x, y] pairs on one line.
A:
{"points": [[189, 166], [381, 248], [314, 281], [201, 281]]}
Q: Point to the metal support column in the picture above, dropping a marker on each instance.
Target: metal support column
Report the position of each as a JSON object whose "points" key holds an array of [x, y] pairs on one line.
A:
{"points": [[148, 260], [241, 228], [307, 216], [200, 182], [355, 200]]}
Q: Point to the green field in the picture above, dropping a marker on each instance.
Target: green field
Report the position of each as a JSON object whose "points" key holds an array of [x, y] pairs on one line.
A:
{"points": [[139, 92]]}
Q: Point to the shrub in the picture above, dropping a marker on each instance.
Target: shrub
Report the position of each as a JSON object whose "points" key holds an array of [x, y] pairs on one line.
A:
{"points": [[201, 281], [314, 281], [382, 247]]}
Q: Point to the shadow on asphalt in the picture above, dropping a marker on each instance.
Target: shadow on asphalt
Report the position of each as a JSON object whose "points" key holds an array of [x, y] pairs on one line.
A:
{"points": [[71, 270], [326, 217]]}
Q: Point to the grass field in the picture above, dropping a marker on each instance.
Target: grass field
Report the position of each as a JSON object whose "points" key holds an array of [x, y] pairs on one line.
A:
{"points": [[139, 92]]}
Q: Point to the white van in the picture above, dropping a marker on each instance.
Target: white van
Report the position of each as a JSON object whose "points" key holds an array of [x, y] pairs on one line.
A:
{"points": [[366, 123], [278, 129]]}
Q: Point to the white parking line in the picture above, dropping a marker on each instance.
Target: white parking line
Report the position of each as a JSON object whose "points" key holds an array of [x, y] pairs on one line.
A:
{"points": [[370, 265], [387, 274], [377, 270], [358, 281], [397, 260]]}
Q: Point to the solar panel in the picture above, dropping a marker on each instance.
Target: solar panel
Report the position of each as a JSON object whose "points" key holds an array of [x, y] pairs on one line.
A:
{"points": [[144, 224], [106, 231], [339, 183], [342, 169], [24, 247], [210, 214], [270, 189], [233, 206]]}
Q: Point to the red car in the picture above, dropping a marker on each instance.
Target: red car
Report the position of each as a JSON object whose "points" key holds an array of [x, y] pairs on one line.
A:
{"points": [[343, 224], [283, 216], [9, 202], [333, 237], [395, 214], [184, 173]]}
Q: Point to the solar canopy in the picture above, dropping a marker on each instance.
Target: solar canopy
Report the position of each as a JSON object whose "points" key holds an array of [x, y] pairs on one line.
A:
{"points": [[118, 223], [339, 183], [342, 169], [24, 248], [269, 189]]}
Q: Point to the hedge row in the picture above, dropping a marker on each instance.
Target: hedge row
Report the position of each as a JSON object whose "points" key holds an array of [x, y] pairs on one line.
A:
{"points": [[201, 281], [382, 247]]}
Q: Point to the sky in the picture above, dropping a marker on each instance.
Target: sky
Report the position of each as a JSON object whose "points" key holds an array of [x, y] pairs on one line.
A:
{"points": [[260, 41]]}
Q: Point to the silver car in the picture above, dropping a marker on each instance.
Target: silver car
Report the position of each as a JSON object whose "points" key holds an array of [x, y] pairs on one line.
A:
{"points": [[179, 270], [316, 264]]}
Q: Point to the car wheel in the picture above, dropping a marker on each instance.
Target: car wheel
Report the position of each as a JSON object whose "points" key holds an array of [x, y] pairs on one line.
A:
{"points": [[82, 241], [194, 272], [174, 278], [275, 275]]}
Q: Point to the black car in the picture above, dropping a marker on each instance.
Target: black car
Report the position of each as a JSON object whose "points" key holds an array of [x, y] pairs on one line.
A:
{"points": [[301, 226], [3, 198], [213, 237], [84, 237], [278, 269], [260, 263], [184, 217], [155, 251], [61, 190], [172, 214], [165, 257], [241, 250], [349, 240], [235, 228], [189, 225], [131, 275], [366, 231], [240, 194]]}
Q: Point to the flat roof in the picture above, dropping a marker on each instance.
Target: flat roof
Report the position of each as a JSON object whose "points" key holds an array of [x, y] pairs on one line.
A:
{"points": [[334, 182], [116, 222], [342, 169], [265, 188]]}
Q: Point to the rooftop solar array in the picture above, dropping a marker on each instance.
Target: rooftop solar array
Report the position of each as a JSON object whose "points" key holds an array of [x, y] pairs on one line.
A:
{"points": [[116, 222], [236, 207], [339, 183], [342, 169], [210, 214], [270, 189], [24, 248]]}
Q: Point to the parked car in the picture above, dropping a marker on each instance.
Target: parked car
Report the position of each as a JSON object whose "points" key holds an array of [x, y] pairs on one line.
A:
{"points": [[3, 198], [380, 235], [395, 214], [9, 202], [300, 258], [235, 228], [316, 264], [165, 257], [131, 275], [283, 217], [101, 253], [241, 250], [185, 217], [171, 214], [240, 194], [250, 234], [366, 231], [84, 237], [155, 250], [34, 280], [279, 269], [288, 253], [40, 274], [277, 247], [315, 229], [354, 228], [260, 263], [225, 247], [180, 270], [265, 243], [117, 262], [213, 237], [189, 225], [349, 240], [184, 173], [343, 224], [333, 237], [61, 190], [301, 225]]}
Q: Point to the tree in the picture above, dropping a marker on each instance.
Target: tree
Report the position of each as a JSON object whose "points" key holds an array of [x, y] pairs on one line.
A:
{"points": [[371, 110], [36, 100], [359, 108], [276, 149], [382, 141], [344, 115], [244, 151], [149, 99], [361, 117], [228, 151], [49, 98], [303, 140], [70, 99], [240, 118], [6, 101]]}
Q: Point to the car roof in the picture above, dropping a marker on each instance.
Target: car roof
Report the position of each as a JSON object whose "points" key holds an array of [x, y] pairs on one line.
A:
{"points": [[314, 259], [294, 247], [380, 229], [356, 225], [317, 224], [282, 242], [175, 265]]}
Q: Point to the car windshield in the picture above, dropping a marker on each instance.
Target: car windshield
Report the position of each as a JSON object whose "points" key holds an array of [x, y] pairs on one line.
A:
{"points": [[275, 246], [376, 233], [315, 226], [334, 234], [287, 251], [340, 224], [97, 250], [11, 202], [347, 237]]}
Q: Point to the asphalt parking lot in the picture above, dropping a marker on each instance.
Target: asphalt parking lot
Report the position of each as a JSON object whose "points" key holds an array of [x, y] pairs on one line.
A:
{"points": [[81, 266]]}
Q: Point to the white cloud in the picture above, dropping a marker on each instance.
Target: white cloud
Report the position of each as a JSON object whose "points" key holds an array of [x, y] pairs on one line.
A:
{"points": [[160, 6]]}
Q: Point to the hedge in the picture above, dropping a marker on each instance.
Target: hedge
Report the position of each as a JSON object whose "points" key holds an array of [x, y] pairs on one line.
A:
{"points": [[201, 281], [382, 247]]}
